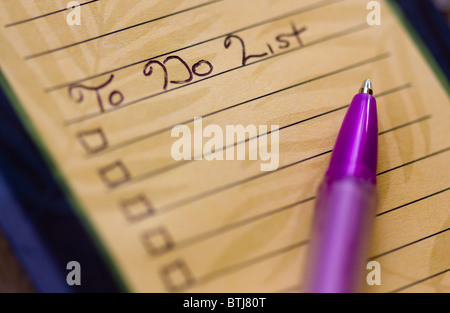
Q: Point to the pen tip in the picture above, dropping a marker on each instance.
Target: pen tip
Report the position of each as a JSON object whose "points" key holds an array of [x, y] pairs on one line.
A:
{"points": [[366, 87]]}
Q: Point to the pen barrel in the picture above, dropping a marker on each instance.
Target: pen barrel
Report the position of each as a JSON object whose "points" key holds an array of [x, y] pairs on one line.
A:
{"points": [[343, 223]]}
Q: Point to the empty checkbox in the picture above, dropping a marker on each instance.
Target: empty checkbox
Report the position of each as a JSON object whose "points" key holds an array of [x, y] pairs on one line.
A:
{"points": [[158, 241], [137, 208], [177, 276], [114, 174], [93, 140]]}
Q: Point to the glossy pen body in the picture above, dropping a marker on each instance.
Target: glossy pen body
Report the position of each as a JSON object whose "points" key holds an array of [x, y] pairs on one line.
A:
{"points": [[346, 203]]}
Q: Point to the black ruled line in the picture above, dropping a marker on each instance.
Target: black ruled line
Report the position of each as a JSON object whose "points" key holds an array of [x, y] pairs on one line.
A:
{"points": [[32, 56], [224, 229], [412, 202], [385, 93], [324, 39], [250, 262], [207, 235], [420, 281], [274, 19], [218, 231], [194, 198], [380, 95], [415, 161], [45, 15], [247, 263], [214, 191], [181, 163], [297, 288], [409, 244], [422, 119]]}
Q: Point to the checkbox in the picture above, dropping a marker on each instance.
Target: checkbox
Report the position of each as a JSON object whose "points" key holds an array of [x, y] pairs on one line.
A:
{"points": [[114, 174], [93, 140], [177, 276], [137, 208], [158, 241]]}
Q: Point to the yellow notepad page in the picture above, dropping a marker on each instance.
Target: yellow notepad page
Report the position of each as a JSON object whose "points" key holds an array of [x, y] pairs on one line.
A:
{"points": [[102, 99]]}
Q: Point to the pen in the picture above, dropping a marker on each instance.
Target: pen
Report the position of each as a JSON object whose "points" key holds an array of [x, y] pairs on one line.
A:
{"points": [[346, 203]]}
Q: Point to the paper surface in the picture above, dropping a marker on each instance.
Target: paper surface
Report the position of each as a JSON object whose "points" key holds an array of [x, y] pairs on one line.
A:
{"points": [[104, 116]]}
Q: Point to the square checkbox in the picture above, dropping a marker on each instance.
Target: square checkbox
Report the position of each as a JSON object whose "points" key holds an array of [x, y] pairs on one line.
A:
{"points": [[158, 241], [137, 208], [114, 174], [177, 276], [93, 140]]}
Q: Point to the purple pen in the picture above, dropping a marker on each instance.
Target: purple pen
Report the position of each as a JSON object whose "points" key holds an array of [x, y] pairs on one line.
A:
{"points": [[346, 203]]}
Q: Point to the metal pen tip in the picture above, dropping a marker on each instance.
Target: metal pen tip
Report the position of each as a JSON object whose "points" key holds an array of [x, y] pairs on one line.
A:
{"points": [[366, 87]]}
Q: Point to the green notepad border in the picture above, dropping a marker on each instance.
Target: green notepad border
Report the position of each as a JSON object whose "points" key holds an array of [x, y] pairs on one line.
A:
{"points": [[57, 174], [426, 54], [70, 196]]}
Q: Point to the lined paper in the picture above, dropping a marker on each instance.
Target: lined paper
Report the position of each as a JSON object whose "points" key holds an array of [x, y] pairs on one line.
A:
{"points": [[102, 98]]}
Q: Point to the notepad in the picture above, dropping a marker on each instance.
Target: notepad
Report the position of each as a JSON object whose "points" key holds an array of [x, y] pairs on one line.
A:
{"points": [[102, 98]]}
